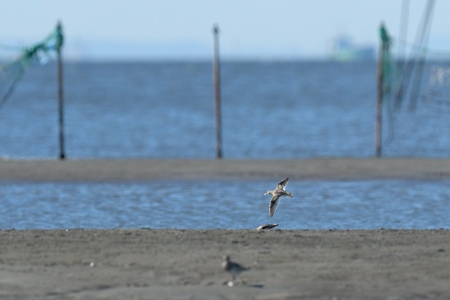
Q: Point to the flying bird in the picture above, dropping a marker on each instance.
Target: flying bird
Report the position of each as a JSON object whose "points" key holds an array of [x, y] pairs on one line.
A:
{"points": [[279, 191]]}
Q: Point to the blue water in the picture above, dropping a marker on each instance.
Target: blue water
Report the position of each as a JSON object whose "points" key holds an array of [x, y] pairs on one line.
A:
{"points": [[166, 110], [225, 204]]}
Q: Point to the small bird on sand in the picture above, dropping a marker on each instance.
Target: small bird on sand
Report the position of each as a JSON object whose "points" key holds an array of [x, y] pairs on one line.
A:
{"points": [[279, 191], [232, 267], [266, 227]]}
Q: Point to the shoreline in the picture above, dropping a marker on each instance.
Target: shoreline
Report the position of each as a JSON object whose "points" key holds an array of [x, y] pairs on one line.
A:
{"points": [[185, 264], [198, 169]]}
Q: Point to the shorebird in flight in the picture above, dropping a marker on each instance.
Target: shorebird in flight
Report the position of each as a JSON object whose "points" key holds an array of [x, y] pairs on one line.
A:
{"points": [[232, 267], [279, 191]]}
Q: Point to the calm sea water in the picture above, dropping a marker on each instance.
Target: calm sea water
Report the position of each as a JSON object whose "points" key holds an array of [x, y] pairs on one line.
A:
{"points": [[166, 110], [225, 204]]}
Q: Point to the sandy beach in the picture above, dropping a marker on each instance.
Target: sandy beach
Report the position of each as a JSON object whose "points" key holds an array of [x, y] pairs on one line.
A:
{"points": [[185, 264], [143, 263]]}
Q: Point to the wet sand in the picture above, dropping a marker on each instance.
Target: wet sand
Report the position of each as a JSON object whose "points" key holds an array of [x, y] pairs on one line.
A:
{"points": [[151, 169], [185, 264]]}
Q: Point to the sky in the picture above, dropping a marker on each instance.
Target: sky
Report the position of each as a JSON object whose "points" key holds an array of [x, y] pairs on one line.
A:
{"points": [[182, 29]]}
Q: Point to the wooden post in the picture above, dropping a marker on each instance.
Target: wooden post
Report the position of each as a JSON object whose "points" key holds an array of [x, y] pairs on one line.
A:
{"points": [[379, 104], [62, 155], [384, 50], [216, 71]]}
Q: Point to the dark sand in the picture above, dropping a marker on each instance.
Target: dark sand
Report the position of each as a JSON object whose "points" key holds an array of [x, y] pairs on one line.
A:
{"points": [[177, 264], [151, 169]]}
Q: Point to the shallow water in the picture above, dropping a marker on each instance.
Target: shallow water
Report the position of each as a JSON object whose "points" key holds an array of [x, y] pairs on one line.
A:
{"points": [[225, 204]]}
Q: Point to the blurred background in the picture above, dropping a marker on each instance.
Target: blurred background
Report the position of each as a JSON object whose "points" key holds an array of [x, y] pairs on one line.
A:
{"points": [[298, 78], [253, 29]]}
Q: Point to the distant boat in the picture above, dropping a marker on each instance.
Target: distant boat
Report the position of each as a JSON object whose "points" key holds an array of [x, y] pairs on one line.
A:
{"points": [[343, 49]]}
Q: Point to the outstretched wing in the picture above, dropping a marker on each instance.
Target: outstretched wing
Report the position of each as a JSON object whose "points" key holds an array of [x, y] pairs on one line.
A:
{"points": [[273, 205], [282, 184]]}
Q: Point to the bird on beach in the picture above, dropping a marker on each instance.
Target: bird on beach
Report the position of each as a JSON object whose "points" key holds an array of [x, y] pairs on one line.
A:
{"points": [[279, 191], [266, 227], [232, 267]]}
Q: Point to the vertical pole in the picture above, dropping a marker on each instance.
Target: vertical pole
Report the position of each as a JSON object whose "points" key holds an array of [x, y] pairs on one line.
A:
{"points": [[379, 105], [384, 50], [216, 64], [62, 155]]}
